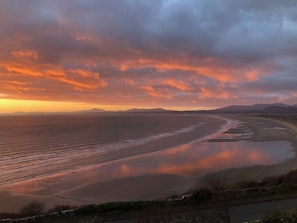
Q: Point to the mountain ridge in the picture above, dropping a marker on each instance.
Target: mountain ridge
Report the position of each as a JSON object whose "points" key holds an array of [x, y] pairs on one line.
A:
{"points": [[275, 108]]}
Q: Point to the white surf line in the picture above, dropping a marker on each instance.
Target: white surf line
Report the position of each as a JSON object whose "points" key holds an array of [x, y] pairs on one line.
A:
{"points": [[285, 129], [290, 127], [229, 124]]}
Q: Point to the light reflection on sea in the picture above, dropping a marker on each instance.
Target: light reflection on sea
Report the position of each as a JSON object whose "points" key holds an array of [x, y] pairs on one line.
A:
{"points": [[198, 159], [189, 160], [173, 161]]}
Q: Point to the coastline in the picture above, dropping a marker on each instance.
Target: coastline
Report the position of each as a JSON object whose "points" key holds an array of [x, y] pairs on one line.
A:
{"points": [[264, 130], [83, 187]]}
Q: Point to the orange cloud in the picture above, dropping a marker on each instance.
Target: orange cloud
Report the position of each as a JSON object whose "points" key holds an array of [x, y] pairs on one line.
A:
{"points": [[77, 84], [48, 72], [4, 95], [164, 93], [25, 54], [21, 69], [180, 85], [18, 87], [213, 93], [209, 67], [17, 83], [85, 73], [255, 74], [129, 81], [60, 75], [210, 70], [55, 72], [87, 38]]}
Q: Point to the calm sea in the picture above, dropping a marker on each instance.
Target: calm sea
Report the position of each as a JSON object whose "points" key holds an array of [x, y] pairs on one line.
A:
{"points": [[37, 146]]}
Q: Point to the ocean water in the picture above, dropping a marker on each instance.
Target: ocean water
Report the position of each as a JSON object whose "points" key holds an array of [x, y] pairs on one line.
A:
{"points": [[82, 159], [38, 146]]}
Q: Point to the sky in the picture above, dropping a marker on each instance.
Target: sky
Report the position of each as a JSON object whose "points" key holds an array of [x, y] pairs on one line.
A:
{"points": [[63, 55]]}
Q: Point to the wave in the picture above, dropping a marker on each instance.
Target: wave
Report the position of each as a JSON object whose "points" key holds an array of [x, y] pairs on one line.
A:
{"points": [[20, 164]]}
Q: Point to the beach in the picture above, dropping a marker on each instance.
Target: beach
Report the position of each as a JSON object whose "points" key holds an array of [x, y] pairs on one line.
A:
{"points": [[265, 130], [151, 171]]}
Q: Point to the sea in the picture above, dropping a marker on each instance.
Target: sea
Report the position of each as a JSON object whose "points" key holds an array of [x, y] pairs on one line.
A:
{"points": [[34, 146]]}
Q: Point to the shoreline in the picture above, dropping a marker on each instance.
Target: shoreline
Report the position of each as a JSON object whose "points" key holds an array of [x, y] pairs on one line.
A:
{"points": [[76, 194], [264, 130]]}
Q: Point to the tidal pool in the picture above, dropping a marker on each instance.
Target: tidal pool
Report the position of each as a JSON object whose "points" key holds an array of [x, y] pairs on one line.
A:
{"points": [[201, 158]]}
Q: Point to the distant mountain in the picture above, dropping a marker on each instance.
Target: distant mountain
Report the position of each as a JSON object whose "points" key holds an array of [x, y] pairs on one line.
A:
{"points": [[276, 108], [93, 110], [147, 110], [247, 108], [279, 110]]}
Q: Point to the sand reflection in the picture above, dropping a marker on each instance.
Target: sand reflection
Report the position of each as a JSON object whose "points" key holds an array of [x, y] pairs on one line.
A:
{"points": [[198, 159], [190, 160], [153, 175]]}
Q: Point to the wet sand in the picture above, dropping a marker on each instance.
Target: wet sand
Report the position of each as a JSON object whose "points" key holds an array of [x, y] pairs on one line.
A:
{"points": [[264, 130], [102, 184]]}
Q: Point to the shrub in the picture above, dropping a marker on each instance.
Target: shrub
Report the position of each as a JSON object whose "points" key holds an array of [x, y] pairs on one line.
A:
{"points": [[202, 196], [87, 210], [280, 217], [33, 208]]}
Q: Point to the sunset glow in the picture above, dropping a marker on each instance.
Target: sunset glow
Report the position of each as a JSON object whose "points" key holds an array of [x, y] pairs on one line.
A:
{"points": [[123, 54], [10, 105]]}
